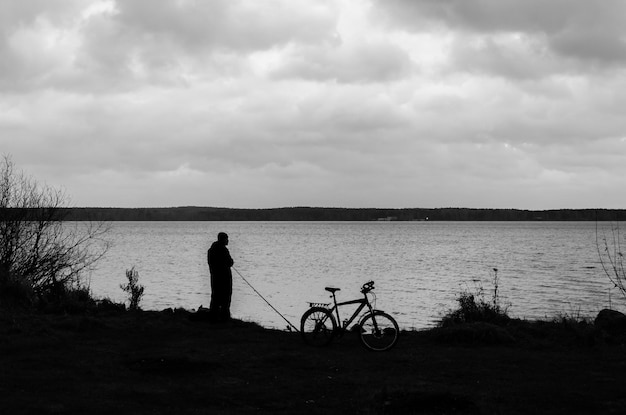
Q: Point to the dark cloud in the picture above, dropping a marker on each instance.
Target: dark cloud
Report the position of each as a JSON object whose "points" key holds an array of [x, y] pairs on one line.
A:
{"points": [[362, 62], [584, 31], [494, 16], [518, 57], [24, 56], [593, 45], [231, 24], [14, 14], [119, 45]]}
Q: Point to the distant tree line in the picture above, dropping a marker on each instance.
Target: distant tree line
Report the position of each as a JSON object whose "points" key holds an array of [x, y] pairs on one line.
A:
{"points": [[192, 213]]}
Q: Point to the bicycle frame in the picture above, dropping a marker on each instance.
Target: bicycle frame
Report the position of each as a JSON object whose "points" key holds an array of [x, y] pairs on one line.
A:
{"points": [[363, 302], [377, 330]]}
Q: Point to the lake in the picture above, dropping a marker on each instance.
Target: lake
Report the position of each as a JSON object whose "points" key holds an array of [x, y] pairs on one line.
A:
{"points": [[545, 269]]}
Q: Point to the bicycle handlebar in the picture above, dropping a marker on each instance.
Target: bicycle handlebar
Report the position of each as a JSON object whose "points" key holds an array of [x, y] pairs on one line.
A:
{"points": [[367, 287]]}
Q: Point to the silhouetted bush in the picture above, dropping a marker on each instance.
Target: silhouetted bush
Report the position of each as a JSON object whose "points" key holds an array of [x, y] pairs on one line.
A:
{"points": [[42, 257], [472, 307], [133, 289], [473, 310], [107, 305], [15, 293], [67, 300]]}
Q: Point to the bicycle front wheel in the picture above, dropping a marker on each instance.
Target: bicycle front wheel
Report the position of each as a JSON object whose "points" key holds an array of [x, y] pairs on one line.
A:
{"points": [[379, 331], [318, 326]]}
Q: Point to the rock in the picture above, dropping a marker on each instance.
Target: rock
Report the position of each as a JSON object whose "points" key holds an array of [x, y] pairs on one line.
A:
{"points": [[611, 321]]}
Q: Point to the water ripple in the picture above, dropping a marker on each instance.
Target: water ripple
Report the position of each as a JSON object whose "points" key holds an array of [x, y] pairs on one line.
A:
{"points": [[545, 269]]}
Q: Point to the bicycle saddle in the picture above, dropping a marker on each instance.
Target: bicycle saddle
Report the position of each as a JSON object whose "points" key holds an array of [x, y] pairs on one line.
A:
{"points": [[332, 289]]}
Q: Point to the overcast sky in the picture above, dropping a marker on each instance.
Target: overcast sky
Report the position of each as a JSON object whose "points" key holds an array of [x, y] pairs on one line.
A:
{"points": [[344, 103]]}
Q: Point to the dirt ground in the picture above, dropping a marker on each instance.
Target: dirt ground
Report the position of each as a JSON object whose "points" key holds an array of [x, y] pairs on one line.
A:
{"points": [[164, 363]]}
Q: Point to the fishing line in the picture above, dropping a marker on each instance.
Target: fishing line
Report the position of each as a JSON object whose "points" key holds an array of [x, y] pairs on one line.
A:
{"points": [[268, 303]]}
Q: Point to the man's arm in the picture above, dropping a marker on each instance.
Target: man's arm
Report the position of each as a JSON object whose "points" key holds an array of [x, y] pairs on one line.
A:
{"points": [[229, 258]]}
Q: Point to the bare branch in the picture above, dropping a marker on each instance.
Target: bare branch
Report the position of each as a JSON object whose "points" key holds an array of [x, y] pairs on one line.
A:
{"points": [[612, 258]]}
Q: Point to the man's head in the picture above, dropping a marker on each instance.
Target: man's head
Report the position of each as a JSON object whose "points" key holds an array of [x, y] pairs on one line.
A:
{"points": [[222, 237]]}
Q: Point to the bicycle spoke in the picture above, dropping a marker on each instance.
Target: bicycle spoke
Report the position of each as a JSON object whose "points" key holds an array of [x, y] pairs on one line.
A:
{"points": [[379, 331], [317, 327]]}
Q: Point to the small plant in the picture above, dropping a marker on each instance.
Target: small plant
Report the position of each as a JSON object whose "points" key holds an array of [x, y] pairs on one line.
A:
{"points": [[133, 289], [495, 299], [474, 308], [571, 319]]}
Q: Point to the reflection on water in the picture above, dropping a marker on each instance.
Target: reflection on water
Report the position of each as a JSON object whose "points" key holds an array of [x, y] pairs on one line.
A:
{"points": [[545, 268]]}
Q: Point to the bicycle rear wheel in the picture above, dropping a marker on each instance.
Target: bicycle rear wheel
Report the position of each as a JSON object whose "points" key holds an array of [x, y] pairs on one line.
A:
{"points": [[379, 331], [317, 326]]}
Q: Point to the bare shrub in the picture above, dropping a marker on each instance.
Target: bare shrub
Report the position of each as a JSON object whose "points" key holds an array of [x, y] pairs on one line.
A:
{"points": [[611, 257], [38, 249]]}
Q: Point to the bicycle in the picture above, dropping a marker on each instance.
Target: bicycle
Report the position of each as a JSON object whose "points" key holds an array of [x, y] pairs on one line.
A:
{"points": [[377, 330]]}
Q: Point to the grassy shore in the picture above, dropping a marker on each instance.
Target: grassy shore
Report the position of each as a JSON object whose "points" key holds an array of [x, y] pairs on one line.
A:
{"points": [[164, 363]]}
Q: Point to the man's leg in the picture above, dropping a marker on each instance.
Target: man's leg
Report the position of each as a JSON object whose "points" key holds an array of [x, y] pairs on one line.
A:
{"points": [[214, 297], [222, 299], [228, 294]]}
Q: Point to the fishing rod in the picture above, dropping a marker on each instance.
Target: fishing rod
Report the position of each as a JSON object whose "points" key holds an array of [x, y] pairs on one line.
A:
{"points": [[268, 303]]}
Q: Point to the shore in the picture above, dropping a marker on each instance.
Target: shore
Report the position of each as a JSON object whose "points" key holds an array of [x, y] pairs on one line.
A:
{"points": [[164, 363]]}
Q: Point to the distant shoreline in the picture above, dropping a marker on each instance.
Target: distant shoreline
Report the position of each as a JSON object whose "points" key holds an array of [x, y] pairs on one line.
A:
{"points": [[193, 213]]}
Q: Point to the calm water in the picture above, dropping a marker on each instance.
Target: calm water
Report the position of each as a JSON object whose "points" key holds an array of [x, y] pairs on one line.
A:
{"points": [[545, 268]]}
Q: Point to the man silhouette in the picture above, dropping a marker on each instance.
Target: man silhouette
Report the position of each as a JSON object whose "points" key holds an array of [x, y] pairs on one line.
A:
{"points": [[220, 262]]}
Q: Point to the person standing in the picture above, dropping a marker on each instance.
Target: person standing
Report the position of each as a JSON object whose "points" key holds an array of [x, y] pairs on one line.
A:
{"points": [[220, 262]]}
